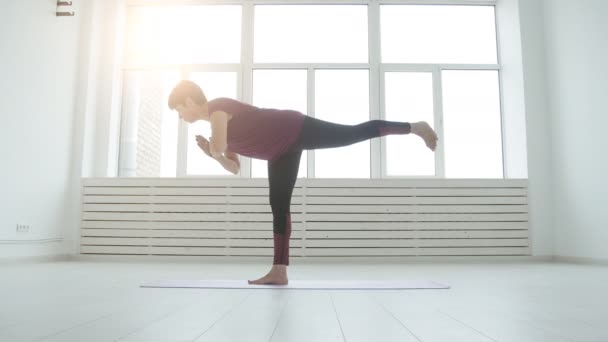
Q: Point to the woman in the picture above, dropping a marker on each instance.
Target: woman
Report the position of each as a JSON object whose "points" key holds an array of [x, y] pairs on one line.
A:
{"points": [[278, 136]]}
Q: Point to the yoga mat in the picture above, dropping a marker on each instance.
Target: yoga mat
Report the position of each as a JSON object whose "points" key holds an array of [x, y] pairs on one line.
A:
{"points": [[301, 284]]}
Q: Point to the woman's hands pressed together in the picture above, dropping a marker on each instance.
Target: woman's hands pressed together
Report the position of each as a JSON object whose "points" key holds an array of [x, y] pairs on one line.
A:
{"points": [[203, 144], [230, 161]]}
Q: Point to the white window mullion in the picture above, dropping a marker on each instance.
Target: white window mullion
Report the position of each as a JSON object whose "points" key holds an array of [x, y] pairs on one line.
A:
{"points": [[311, 112], [246, 73], [197, 67], [438, 122], [182, 137], [306, 2], [311, 65], [441, 2], [382, 109], [427, 67], [376, 91]]}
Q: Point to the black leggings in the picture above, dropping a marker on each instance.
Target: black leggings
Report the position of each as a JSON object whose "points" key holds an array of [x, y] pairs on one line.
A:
{"points": [[283, 172], [317, 134]]}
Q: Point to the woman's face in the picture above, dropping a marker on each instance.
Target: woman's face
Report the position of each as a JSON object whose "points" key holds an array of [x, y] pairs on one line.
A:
{"points": [[191, 111]]}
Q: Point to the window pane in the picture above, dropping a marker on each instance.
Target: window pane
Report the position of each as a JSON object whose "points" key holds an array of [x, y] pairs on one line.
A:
{"points": [[342, 96], [438, 34], [214, 84], [472, 126], [409, 98], [148, 133], [184, 34], [280, 89], [310, 33]]}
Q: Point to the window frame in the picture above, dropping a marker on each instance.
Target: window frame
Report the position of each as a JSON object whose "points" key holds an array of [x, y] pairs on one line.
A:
{"points": [[376, 69]]}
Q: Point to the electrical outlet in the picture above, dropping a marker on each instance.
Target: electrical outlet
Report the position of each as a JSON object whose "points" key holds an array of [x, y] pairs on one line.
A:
{"points": [[23, 227]]}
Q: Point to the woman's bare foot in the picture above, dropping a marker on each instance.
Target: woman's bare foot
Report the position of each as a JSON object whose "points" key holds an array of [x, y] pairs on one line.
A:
{"points": [[276, 276], [426, 132]]}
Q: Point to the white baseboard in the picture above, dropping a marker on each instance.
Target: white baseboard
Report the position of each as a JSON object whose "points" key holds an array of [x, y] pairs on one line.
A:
{"points": [[34, 258], [33, 250], [580, 260], [306, 260]]}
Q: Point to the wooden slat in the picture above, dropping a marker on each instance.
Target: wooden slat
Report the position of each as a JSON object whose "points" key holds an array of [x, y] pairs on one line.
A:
{"points": [[257, 208], [375, 226], [317, 182], [184, 199], [210, 251], [498, 217], [267, 217], [361, 192], [184, 242], [310, 226], [416, 200], [415, 209], [297, 233], [183, 225], [196, 234], [416, 234], [175, 217], [194, 191], [173, 182], [415, 183], [393, 243], [416, 251], [308, 252], [179, 208]]}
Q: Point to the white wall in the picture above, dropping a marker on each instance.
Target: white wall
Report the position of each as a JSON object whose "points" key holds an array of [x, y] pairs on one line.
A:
{"points": [[511, 86], [538, 126], [577, 53], [39, 65]]}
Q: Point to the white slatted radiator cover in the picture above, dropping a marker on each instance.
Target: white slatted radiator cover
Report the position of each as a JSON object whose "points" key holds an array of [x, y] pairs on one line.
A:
{"points": [[330, 217]]}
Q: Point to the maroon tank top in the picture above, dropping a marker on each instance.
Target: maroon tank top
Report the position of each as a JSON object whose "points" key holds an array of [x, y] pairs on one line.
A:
{"points": [[260, 133]]}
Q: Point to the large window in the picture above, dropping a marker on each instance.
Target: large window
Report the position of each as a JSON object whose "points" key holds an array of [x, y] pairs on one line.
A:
{"points": [[346, 63]]}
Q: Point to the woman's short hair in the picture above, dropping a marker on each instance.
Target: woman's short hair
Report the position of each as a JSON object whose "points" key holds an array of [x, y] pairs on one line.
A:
{"points": [[186, 89]]}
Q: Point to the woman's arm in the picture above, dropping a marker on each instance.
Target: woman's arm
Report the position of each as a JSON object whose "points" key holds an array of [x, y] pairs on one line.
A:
{"points": [[233, 156], [230, 165], [219, 127]]}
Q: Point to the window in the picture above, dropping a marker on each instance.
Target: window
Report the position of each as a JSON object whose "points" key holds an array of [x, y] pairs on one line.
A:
{"points": [[435, 63], [148, 135], [471, 112]]}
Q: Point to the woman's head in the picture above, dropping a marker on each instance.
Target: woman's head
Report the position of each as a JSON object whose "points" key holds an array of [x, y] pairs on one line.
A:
{"points": [[188, 99]]}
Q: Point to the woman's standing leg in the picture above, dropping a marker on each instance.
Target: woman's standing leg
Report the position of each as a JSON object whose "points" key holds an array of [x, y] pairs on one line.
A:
{"points": [[282, 176]]}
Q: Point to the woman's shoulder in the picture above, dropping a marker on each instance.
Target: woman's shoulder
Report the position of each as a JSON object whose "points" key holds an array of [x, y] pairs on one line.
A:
{"points": [[225, 100], [230, 105]]}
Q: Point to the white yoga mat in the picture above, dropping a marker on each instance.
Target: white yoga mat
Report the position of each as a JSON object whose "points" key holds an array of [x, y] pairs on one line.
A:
{"points": [[301, 284]]}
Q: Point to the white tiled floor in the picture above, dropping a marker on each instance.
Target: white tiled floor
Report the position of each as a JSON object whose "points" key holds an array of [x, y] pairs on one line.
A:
{"points": [[488, 301]]}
